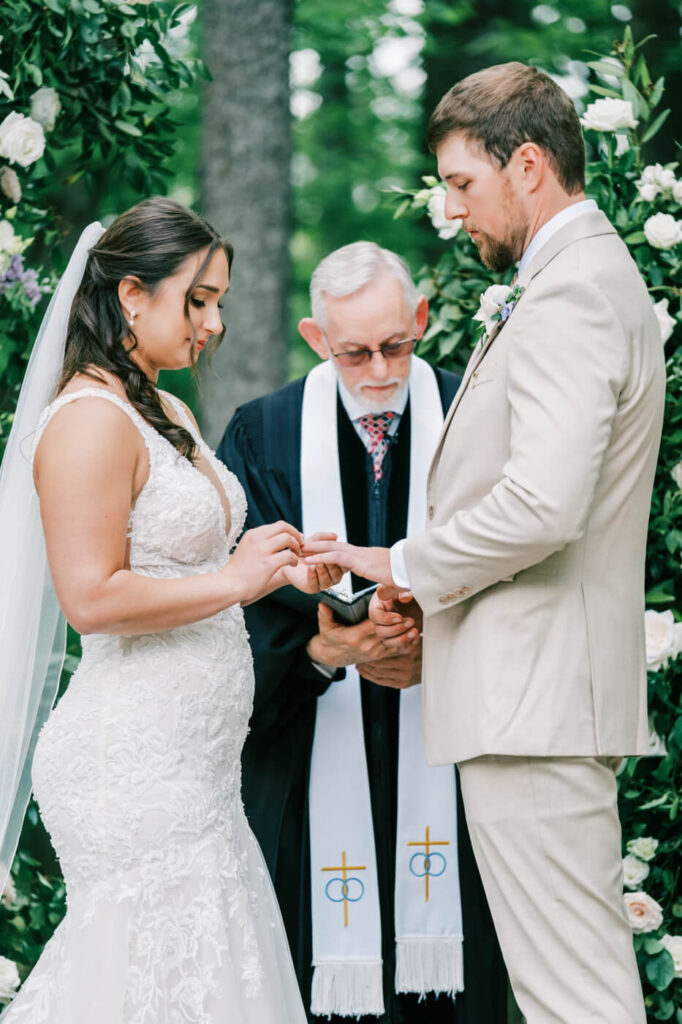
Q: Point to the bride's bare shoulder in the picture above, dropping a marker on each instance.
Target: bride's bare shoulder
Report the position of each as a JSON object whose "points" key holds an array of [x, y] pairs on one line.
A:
{"points": [[89, 428], [94, 377]]}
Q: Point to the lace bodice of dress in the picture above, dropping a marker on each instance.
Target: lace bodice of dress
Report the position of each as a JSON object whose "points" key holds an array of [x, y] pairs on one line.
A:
{"points": [[178, 524]]}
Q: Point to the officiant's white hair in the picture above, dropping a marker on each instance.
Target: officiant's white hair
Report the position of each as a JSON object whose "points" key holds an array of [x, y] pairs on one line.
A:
{"points": [[346, 270]]}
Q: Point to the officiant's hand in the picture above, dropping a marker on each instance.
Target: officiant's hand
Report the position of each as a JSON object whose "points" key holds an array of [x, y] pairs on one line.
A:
{"points": [[398, 672], [339, 645], [369, 563], [395, 613]]}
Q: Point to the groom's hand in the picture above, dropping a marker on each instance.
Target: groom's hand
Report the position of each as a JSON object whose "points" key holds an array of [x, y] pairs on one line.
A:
{"points": [[395, 614], [338, 645], [369, 563]]}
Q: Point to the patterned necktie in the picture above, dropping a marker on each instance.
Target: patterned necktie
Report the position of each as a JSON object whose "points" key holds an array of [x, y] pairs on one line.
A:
{"points": [[377, 442]]}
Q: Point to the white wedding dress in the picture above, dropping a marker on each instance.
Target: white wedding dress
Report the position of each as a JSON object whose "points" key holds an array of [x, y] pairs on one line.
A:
{"points": [[172, 918]]}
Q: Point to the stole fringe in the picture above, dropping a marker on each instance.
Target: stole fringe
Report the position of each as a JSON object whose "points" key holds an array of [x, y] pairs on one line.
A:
{"points": [[426, 965], [347, 989]]}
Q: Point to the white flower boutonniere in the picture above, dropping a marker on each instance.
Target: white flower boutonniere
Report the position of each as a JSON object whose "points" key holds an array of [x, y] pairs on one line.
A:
{"points": [[497, 304]]}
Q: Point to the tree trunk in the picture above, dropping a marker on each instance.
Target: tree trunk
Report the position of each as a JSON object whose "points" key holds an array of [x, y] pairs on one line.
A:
{"points": [[245, 157]]}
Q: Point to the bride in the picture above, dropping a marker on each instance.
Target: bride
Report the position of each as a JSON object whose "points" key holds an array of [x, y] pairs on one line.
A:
{"points": [[171, 915]]}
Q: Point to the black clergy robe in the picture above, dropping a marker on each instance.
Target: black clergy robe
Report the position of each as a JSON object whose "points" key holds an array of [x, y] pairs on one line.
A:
{"points": [[261, 445]]}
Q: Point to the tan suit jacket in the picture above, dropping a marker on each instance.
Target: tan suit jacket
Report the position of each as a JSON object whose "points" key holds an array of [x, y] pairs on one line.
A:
{"points": [[531, 572]]}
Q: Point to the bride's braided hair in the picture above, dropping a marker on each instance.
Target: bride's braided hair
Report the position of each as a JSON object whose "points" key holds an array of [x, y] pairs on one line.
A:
{"points": [[148, 242]]}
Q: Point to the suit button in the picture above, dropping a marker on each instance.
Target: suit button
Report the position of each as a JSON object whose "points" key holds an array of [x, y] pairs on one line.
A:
{"points": [[432, 511], [444, 599], [466, 590]]}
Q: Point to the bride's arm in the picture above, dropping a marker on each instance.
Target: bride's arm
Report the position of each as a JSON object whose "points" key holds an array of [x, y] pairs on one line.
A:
{"points": [[89, 467]]}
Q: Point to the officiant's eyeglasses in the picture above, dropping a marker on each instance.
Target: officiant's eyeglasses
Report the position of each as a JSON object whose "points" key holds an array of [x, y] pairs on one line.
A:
{"points": [[391, 350]]}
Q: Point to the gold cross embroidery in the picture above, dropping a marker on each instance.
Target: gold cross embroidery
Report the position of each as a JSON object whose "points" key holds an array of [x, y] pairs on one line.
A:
{"points": [[427, 842], [344, 868]]}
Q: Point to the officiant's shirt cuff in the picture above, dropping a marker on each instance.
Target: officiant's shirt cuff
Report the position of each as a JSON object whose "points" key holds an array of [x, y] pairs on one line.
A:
{"points": [[398, 567]]}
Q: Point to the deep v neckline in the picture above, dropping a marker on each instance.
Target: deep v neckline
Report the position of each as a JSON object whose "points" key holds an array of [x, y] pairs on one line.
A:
{"points": [[206, 454]]}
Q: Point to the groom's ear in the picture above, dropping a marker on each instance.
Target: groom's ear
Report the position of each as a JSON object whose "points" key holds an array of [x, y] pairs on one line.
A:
{"points": [[531, 166], [311, 332]]}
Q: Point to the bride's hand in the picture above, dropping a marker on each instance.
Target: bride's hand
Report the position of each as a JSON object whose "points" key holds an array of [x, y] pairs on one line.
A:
{"points": [[259, 557], [310, 578]]}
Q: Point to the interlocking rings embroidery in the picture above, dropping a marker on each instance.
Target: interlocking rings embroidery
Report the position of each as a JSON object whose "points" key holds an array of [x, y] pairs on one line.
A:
{"points": [[351, 889], [347, 894], [434, 864]]}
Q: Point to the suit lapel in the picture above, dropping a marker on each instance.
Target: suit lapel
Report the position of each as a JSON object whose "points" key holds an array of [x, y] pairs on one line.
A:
{"points": [[588, 225]]}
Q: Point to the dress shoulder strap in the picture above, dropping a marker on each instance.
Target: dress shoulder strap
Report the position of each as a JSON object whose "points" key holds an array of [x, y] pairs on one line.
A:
{"points": [[179, 408], [145, 429]]}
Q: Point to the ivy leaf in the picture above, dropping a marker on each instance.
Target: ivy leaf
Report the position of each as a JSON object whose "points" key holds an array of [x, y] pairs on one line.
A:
{"points": [[128, 128], [662, 593], [655, 125], [660, 970]]}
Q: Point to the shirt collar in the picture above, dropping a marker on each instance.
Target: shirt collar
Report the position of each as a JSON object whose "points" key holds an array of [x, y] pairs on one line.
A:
{"points": [[560, 219], [355, 407]]}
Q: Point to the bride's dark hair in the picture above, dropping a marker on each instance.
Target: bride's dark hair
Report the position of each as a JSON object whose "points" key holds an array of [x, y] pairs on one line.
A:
{"points": [[148, 242]]}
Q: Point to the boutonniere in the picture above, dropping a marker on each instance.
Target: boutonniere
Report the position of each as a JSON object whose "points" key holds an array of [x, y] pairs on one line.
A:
{"points": [[497, 304]]}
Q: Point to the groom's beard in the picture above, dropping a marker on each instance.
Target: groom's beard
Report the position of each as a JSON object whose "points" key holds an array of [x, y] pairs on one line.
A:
{"points": [[499, 254]]}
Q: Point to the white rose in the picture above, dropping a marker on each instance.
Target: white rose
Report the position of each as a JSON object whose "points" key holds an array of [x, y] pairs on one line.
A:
{"points": [[8, 238], [492, 300], [45, 107], [656, 174], [648, 191], [665, 321], [677, 192], [644, 847], [609, 115], [436, 207], [634, 871], [22, 140], [644, 914], [661, 642], [9, 979], [663, 231], [673, 943], [9, 183]]}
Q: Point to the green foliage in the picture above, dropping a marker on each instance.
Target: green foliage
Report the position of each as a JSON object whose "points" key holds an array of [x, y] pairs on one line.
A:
{"points": [[28, 919], [106, 70], [650, 787]]}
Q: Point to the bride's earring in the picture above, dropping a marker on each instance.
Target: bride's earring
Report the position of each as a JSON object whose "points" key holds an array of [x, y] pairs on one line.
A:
{"points": [[131, 319]]}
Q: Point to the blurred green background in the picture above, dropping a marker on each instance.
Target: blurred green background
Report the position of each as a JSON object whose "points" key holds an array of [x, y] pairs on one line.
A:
{"points": [[363, 77]]}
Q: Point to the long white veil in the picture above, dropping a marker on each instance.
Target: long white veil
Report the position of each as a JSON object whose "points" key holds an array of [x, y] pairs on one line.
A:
{"points": [[32, 628]]}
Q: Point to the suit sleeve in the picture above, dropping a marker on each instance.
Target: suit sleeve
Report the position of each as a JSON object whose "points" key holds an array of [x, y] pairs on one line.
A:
{"points": [[562, 389], [279, 630]]}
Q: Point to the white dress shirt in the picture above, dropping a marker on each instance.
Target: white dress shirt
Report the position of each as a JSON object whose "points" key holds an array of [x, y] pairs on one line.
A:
{"points": [[541, 236]]}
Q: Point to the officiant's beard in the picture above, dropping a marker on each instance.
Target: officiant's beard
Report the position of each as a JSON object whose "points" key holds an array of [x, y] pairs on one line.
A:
{"points": [[380, 403]]}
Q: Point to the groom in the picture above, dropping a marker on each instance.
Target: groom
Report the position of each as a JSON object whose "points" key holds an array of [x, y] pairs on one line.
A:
{"points": [[530, 573]]}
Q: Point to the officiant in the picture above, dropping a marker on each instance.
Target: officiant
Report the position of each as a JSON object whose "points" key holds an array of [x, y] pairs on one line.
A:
{"points": [[366, 843]]}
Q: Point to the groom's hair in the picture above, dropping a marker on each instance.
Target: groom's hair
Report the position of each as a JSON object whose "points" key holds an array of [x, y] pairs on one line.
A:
{"points": [[506, 105]]}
